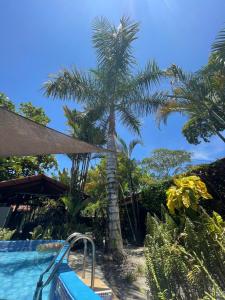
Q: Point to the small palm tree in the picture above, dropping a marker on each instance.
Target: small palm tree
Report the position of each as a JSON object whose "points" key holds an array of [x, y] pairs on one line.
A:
{"points": [[82, 126], [112, 92], [196, 96], [131, 165]]}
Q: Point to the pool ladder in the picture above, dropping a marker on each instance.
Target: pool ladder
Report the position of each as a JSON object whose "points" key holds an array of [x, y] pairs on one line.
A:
{"points": [[54, 265]]}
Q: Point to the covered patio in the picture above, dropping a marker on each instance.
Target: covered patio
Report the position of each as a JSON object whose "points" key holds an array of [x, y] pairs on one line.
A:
{"points": [[20, 198]]}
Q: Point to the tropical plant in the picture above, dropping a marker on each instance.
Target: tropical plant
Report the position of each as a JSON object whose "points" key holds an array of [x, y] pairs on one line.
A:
{"points": [[165, 163], [200, 96], [185, 261], [130, 168], [6, 234], [82, 126], [96, 188], [186, 193], [111, 92]]}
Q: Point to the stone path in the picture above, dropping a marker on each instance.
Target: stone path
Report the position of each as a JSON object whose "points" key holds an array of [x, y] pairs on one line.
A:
{"points": [[127, 281]]}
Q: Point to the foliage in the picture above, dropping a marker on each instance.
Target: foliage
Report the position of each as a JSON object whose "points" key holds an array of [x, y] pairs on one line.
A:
{"points": [[186, 193], [49, 221], [6, 234], [213, 176], [74, 206], [14, 167], [36, 114], [165, 163], [64, 176], [219, 46], [6, 102], [153, 196], [84, 126], [186, 261], [40, 233], [200, 96]]}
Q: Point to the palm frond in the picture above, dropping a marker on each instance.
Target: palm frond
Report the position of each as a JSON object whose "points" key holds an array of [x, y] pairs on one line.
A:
{"points": [[168, 108], [149, 76], [113, 45], [122, 145], [219, 45], [71, 85], [128, 118], [144, 105], [133, 144]]}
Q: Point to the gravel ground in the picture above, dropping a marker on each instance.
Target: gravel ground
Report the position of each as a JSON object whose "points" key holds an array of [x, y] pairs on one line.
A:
{"points": [[127, 281]]}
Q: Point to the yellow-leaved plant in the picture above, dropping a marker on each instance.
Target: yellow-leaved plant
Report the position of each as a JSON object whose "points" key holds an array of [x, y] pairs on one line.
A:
{"points": [[186, 193]]}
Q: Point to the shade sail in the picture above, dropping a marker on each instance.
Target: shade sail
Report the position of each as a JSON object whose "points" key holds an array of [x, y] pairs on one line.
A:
{"points": [[20, 136]]}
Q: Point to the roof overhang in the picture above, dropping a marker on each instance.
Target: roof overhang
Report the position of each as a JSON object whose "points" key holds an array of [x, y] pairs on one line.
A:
{"points": [[36, 185]]}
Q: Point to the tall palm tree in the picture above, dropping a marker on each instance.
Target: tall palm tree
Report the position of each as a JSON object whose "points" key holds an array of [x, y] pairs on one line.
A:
{"points": [[114, 93]]}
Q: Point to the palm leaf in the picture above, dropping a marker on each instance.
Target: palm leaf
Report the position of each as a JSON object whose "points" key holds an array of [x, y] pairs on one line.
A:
{"points": [[113, 45], [122, 145], [149, 76], [168, 108], [133, 144], [71, 85], [219, 45], [128, 118], [144, 105]]}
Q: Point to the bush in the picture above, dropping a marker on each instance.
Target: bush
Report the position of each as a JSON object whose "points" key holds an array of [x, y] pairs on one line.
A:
{"points": [[6, 234], [186, 261], [154, 196]]}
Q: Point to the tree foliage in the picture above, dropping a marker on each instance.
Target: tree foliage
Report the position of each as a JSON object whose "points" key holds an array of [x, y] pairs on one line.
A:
{"points": [[14, 167], [199, 96], [165, 163]]}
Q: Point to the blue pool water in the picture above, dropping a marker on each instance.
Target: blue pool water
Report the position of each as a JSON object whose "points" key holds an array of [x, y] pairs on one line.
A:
{"points": [[19, 272]]}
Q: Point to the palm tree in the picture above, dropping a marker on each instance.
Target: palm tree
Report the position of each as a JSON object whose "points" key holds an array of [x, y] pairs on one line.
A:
{"points": [[198, 97], [82, 126], [113, 93]]}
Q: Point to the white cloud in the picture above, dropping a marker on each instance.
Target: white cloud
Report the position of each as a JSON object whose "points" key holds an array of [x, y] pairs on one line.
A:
{"points": [[208, 151]]}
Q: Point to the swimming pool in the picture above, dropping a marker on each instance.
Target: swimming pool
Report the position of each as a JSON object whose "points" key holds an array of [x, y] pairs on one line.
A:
{"points": [[21, 266], [19, 272]]}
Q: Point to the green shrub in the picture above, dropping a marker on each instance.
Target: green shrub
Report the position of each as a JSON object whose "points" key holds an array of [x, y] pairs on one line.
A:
{"points": [[154, 196], [131, 276], [6, 234], [186, 261], [39, 233]]}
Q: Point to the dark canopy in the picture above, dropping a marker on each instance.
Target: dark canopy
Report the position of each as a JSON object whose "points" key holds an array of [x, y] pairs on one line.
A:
{"points": [[20, 136]]}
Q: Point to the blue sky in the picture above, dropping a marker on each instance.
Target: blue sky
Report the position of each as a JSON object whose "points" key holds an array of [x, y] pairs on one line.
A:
{"points": [[41, 37]]}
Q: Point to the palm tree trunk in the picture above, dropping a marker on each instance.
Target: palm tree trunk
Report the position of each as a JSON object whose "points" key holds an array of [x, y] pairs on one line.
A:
{"points": [[133, 206], [115, 236]]}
